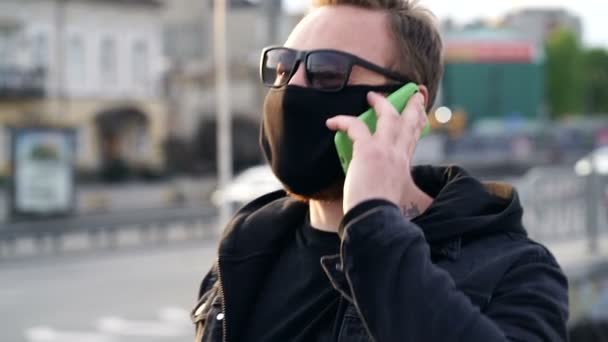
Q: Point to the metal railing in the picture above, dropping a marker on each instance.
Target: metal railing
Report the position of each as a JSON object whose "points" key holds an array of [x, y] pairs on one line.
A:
{"points": [[559, 205], [19, 82], [103, 230], [554, 203]]}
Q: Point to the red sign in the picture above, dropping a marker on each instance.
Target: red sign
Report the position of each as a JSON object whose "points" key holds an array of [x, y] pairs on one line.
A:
{"points": [[490, 52]]}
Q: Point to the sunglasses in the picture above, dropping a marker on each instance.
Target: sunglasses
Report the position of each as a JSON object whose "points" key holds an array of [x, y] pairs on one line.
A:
{"points": [[326, 70]]}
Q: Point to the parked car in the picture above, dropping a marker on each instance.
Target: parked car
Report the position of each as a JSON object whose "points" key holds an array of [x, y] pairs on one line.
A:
{"points": [[575, 138], [247, 186], [596, 161]]}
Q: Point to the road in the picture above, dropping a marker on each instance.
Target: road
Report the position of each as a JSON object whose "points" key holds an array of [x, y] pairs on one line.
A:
{"points": [[145, 293], [133, 295]]}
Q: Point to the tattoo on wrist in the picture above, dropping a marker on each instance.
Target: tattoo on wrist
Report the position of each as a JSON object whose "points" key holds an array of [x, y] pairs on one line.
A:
{"points": [[410, 211]]}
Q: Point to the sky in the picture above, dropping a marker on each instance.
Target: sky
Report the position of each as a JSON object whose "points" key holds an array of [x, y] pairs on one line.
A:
{"points": [[593, 12]]}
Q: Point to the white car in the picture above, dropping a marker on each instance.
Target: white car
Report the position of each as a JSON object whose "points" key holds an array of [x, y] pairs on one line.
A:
{"points": [[247, 186], [594, 162]]}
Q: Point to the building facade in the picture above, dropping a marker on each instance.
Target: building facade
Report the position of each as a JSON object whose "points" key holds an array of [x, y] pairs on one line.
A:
{"points": [[540, 23], [493, 74], [95, 66], [251, 25], [191, 94]]}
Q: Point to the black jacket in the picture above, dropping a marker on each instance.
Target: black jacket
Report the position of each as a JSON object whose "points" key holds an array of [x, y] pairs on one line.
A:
{"points": [[463, 271]]}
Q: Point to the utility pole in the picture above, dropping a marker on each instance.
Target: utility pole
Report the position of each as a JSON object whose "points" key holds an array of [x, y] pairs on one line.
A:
{"points": [[224, 120], [57, 72], [269, 32], [273, 18]]}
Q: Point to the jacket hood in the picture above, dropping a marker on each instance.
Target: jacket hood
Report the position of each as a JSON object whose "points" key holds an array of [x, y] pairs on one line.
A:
{"points": [[462, 207]]}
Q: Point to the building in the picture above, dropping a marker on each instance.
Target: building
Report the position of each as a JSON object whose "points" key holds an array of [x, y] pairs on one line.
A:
{"points": [[251, 25], [93, 65], [493, 74], [539, 23], [190, 86], [495, 70], [188, 38]]}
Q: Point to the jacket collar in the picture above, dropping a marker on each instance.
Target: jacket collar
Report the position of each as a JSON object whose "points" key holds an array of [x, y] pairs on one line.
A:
{"points": [[462, 206], [259, 227]]}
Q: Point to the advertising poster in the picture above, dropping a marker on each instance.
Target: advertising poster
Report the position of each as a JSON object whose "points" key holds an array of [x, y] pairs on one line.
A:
{"points": [[43, 172]]}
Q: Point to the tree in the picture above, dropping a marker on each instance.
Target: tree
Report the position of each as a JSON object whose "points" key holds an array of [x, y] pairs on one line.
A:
{"points": [[596, 81], [564, 70]]}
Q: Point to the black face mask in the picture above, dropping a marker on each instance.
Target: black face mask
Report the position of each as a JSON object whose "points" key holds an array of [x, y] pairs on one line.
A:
{"points": [[295, 139]]}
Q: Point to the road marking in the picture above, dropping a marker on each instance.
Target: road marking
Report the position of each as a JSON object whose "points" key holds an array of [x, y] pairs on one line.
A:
{"points": [[173, 322], [176, 316], [48, 334]]}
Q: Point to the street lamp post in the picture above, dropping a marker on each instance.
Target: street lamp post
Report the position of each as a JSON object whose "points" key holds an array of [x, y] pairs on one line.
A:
{"points": [[273, 19], [56, 91], [224, 132]]}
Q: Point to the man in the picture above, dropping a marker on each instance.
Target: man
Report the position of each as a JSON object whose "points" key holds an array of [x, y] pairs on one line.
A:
{"points": [[381, 254]]}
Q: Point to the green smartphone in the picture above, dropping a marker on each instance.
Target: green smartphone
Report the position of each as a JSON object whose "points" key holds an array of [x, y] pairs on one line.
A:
{"points": [[399, 99]]}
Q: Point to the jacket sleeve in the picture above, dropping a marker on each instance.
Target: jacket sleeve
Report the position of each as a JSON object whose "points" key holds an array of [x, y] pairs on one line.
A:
{"points": [[402, 296]]}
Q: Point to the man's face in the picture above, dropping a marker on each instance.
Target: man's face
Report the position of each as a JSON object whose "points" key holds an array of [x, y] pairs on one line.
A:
{"points": [[358, 31], [354, 30]]}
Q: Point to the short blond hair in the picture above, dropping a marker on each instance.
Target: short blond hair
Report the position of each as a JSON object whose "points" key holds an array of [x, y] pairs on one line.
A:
{"points": [[417, 37]]}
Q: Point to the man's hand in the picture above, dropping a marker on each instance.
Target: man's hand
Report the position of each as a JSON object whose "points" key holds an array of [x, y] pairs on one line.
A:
{"points": [[380, 167]]}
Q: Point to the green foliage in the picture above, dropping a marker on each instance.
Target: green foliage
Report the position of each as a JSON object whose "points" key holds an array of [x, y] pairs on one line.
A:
{"points": [[596, 81], [564, 74]]}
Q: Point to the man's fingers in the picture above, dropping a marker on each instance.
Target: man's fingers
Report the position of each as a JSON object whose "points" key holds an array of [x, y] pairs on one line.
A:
{"points": [[387, 127], [413, 120], [352, 126]]}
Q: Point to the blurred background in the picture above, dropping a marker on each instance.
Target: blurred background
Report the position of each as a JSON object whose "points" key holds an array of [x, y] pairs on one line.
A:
{"points": [[128, 134]]}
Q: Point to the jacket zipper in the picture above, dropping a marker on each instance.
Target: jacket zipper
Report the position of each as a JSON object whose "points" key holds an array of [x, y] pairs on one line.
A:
{"points": [[225, 320]]}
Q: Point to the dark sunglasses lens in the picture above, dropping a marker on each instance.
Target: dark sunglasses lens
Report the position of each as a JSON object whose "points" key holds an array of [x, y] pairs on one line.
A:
{"points": [[277, 66], [327, 70]]}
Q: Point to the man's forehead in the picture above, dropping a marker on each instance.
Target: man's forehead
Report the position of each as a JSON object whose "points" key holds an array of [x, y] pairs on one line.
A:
{"points": [[358, 31]]}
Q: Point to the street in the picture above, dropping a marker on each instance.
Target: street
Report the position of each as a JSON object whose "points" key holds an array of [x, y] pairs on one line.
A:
{"points": [[145, 293], [144, 289], [132, 295]]}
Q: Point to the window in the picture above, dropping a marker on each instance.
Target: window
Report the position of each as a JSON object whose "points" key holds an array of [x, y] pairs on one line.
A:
{"points": [[40, 53], [7, 47], [140, 63], [108, 61], [76, 61]]}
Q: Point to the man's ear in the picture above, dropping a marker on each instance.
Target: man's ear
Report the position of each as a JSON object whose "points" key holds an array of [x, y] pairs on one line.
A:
{"points": [[425, 92]]}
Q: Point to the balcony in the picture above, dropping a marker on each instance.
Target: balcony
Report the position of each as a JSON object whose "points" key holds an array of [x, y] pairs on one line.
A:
{"points": [[20, 83]]}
